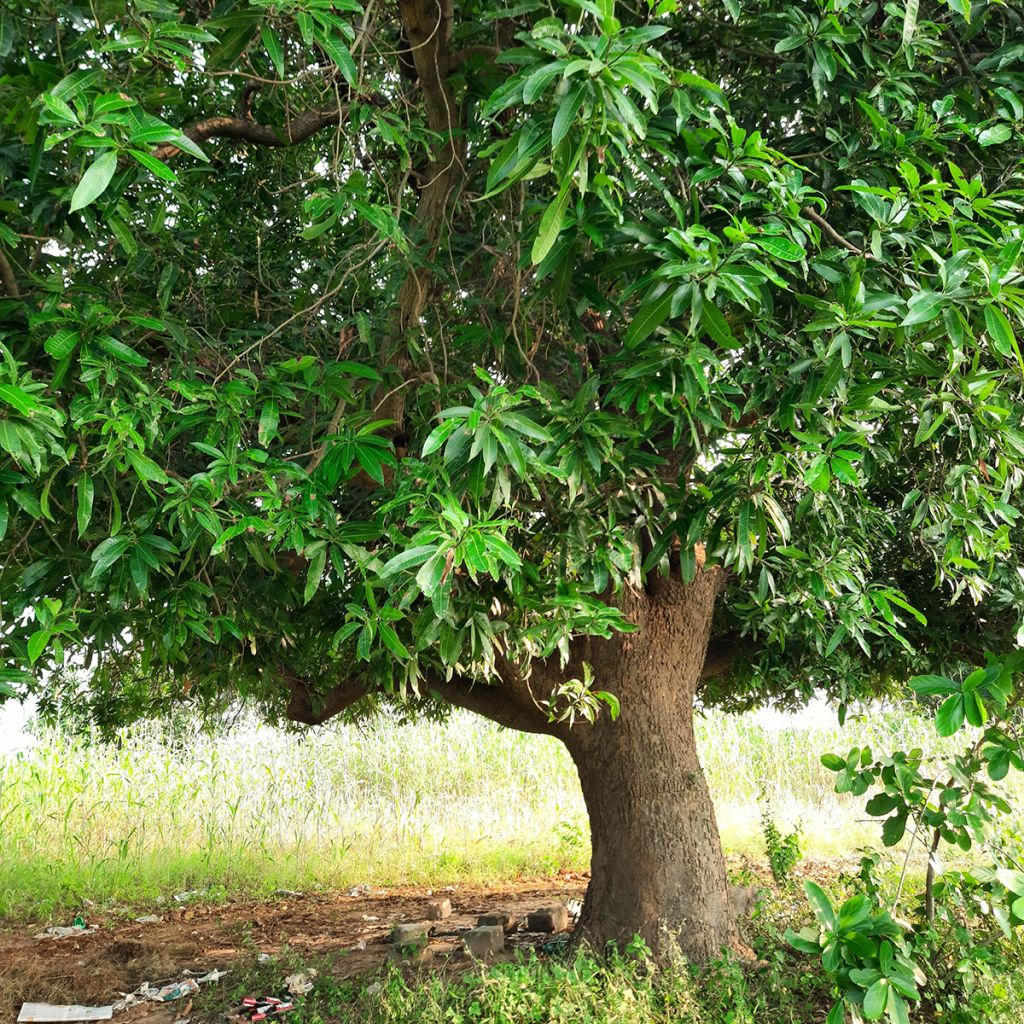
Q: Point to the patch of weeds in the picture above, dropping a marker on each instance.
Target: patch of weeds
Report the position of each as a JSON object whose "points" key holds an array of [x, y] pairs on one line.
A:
{"points": [[783, 848]]}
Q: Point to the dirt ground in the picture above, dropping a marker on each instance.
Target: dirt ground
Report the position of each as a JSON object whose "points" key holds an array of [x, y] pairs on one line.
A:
{"points": [[351, 931]]}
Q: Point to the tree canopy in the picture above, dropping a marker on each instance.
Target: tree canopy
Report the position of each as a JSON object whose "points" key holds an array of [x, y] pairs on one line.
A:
{"points": [[350, 352]]}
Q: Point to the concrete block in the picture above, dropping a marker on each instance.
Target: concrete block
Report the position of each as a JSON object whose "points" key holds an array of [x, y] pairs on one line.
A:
{"points": [[485, 941], [410, 935], [507, 922], [439, 910], [548, 919]]}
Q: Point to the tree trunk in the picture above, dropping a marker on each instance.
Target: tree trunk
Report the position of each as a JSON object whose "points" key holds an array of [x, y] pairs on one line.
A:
{"points": [[657, 868]]}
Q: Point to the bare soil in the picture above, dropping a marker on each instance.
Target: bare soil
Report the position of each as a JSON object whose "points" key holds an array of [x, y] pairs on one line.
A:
{"points": [[350, 933]]}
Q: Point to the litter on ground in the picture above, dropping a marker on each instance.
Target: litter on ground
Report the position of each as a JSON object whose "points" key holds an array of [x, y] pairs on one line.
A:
{"points": [[50, 1013]]}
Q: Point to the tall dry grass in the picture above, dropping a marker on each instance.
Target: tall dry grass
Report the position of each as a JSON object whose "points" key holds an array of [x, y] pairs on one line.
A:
{"points": [[256, 809]]}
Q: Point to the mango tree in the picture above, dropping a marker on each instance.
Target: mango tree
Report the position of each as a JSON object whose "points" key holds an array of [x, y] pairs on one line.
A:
{"points": [[577, 363]]}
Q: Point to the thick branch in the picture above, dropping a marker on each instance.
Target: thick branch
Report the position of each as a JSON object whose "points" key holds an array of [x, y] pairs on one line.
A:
{"points": [[300, 128], [499, 702], [310, 708], [10, 282], [493, 701]]}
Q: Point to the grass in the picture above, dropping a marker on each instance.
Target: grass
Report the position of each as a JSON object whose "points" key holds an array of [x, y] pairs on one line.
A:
{"points": [[533, 989], [254, 809]]}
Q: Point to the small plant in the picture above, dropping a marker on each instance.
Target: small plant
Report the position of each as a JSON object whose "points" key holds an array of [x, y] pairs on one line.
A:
{"points": [[865, 954], [783, 848], [963, 917]]}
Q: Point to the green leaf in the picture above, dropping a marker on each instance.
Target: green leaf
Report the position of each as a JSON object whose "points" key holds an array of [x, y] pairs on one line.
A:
{"points": [[1000, 333], [340, 54], [95, 180], [37, 644], [833, 762], [910, 21], [894, 828], [566, 115], [437, 437], [107, 553], [406, 560], [837, 1015], [432, 572], [995, 135], [83, 511], [950, 716], [269, 420], [881, 804], [19, 399], [314, 574], [923, 307], [875, 999], [150, 162], [1011, 879], [551, 224], [119, 350], [819, 902], [717, 327], [649, 317], [818, 475], [274, 49], [782, 248], [391, 641], [62, 344], [933, 686], [145, 468]]}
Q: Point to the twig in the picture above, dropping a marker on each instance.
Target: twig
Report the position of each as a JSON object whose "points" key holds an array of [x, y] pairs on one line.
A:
{"points": [[817, 218]]}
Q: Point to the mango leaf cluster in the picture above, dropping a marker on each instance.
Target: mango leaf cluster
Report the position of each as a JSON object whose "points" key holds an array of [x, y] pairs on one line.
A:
{"points": [[726, 284]]}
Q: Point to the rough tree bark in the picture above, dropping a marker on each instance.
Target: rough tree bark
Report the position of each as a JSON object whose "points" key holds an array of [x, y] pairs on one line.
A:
{"points": [[657, 868]]}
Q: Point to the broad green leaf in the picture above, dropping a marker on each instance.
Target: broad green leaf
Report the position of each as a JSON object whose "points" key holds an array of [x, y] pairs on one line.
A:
{"points": [[648, 318], [95, 180], [121, 351], [314, 574], [568, 108], [820, 903], [108, 552], [406, 560], [950, 716], [875, 999], [145, 468], [63, 343], [995, 135], [782, 248], [37, 644], [150, 162], [932, 686], [19, 399], [923, 307], [275, 51], [551, 224], [910, 20], [1000, 333], [717, 327]]}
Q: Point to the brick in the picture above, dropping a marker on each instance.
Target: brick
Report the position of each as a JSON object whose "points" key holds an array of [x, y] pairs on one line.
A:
{"points": [[548, 919], [439, 910], [508, 922], [485, 940]]}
